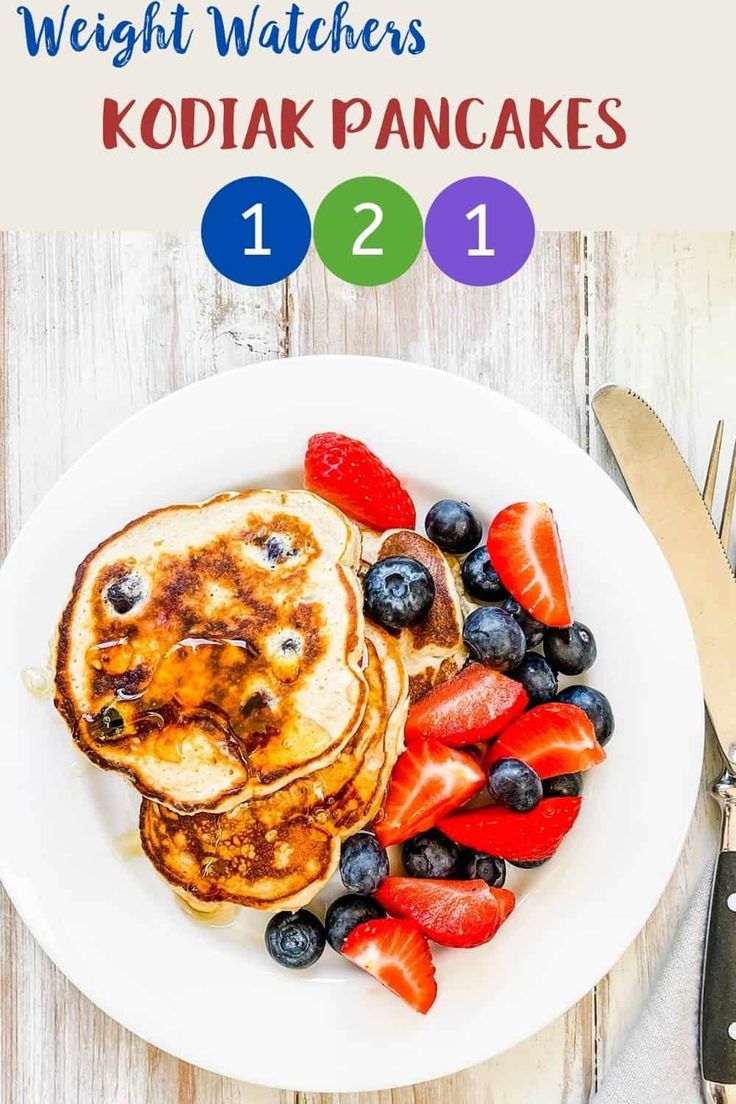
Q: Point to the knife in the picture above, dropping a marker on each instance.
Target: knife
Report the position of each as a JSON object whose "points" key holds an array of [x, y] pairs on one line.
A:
{"points": [[668, 499]]}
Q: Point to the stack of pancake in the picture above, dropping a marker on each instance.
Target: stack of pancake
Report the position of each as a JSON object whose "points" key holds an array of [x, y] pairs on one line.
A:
{"points": [[217, 656]]}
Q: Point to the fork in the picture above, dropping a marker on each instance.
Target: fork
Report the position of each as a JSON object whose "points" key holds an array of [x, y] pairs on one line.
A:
{"points": [[709, 487], [724, 788]]}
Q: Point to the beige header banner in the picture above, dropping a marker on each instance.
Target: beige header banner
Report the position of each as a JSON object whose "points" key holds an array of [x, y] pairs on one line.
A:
{"points": [[122, 114]]}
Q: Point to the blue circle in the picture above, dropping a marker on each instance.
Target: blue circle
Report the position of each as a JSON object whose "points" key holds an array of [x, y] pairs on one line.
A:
{"points": [[256, 231]]}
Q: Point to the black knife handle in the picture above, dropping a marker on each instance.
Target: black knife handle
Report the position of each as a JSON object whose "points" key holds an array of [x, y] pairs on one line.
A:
{"points": [[718, 999]]}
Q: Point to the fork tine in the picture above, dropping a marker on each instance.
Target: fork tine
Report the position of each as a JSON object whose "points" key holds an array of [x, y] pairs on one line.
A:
{"points": [[728, 503], [712, 474]]}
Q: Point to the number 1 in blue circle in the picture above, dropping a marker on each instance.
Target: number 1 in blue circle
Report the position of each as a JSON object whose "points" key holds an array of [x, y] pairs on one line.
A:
{"points": [[256, 231]]}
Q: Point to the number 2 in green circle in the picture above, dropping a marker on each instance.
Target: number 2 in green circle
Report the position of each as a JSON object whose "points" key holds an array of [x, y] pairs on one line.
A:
{"points": [[359, 247], [368, 231]]}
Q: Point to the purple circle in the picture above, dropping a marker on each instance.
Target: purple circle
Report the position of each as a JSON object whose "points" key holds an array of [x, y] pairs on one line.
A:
{"points": [[479, 231]]}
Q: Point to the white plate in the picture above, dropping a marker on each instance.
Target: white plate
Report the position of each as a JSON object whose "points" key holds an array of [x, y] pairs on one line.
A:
{"points": [[212, 996]]}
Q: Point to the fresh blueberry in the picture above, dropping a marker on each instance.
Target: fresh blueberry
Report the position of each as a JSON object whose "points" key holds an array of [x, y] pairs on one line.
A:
{"points": [[492, 636], [430, 855], [125, 593], [295, 939], [453, 526], [110, 724], [363, 863], [345, 913], [277, 550], [563, 785], [533, 630], [515, 785], [398, 592], [477, 865], [572, 650], [481, 579], [537, 677], [530, 864], [596, 705]]}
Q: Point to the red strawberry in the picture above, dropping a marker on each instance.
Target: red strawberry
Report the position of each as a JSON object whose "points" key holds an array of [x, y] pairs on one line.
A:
{"points": [[474, 705], [556, 738], [519, 837], [525, 550], [428, 782], [455, 914], [350, 476], [397, 954]]}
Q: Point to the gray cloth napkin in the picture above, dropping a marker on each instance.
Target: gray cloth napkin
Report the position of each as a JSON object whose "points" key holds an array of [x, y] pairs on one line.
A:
{"points": [[658, 1063]]}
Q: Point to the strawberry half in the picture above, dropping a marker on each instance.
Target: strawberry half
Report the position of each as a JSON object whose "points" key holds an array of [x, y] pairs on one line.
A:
{"points": [[398, 955], [455, 914], [555, 738], [524, 546], [518, 837], [351, 477], [474, 705], [428, 782]]}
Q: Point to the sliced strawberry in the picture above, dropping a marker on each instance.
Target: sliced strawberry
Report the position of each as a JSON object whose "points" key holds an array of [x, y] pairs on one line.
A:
{"points": [[474, 705], [398, 955], [519, 837], [350, 476], [525, 550], [428, 782], [455, 914], [556, 738]]}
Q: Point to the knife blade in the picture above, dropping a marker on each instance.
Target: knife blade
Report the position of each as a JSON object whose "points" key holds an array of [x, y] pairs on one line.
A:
{"points": [[668, 499]]}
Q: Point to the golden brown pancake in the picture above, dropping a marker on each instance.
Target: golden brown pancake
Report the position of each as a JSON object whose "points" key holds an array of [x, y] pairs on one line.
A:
{"points": [[433, 650], [278, 851], [213, 653]]}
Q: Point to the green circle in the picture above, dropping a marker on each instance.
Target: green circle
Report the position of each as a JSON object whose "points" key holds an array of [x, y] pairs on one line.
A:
{"points": [[376, 243]]}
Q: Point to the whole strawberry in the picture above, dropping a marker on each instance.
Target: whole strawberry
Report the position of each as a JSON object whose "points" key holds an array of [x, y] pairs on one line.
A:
{"points": [[346, 473]]}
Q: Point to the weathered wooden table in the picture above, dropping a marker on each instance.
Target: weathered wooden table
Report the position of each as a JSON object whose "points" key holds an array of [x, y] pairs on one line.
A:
{"points": [[93, 327]]}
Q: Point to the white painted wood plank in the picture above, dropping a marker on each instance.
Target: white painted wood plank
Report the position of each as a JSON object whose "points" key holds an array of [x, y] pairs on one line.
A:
{"points": [[526, 339], [663, 321]]}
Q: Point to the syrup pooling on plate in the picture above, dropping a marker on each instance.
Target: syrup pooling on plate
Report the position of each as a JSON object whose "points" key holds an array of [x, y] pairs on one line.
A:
{"points": [[37, 681], [128, 845]]}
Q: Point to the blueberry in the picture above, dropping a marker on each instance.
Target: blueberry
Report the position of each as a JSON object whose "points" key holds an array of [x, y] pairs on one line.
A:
{"points": [[533, 630], [480, 578], [110, 724], [572, 650], [398, 592], [363, 863], [515, 785], [537, 677], [453, 526], [530, 864], [596, 705], [277, 550], [563, 785], [492, 636], [295, 939], [125, 593], [477, 865], [346, 913], [430, 855]]}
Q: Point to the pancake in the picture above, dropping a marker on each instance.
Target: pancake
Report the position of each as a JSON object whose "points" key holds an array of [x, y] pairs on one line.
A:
{"points": [[280, 850], [433, 650], [213, 653]]}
